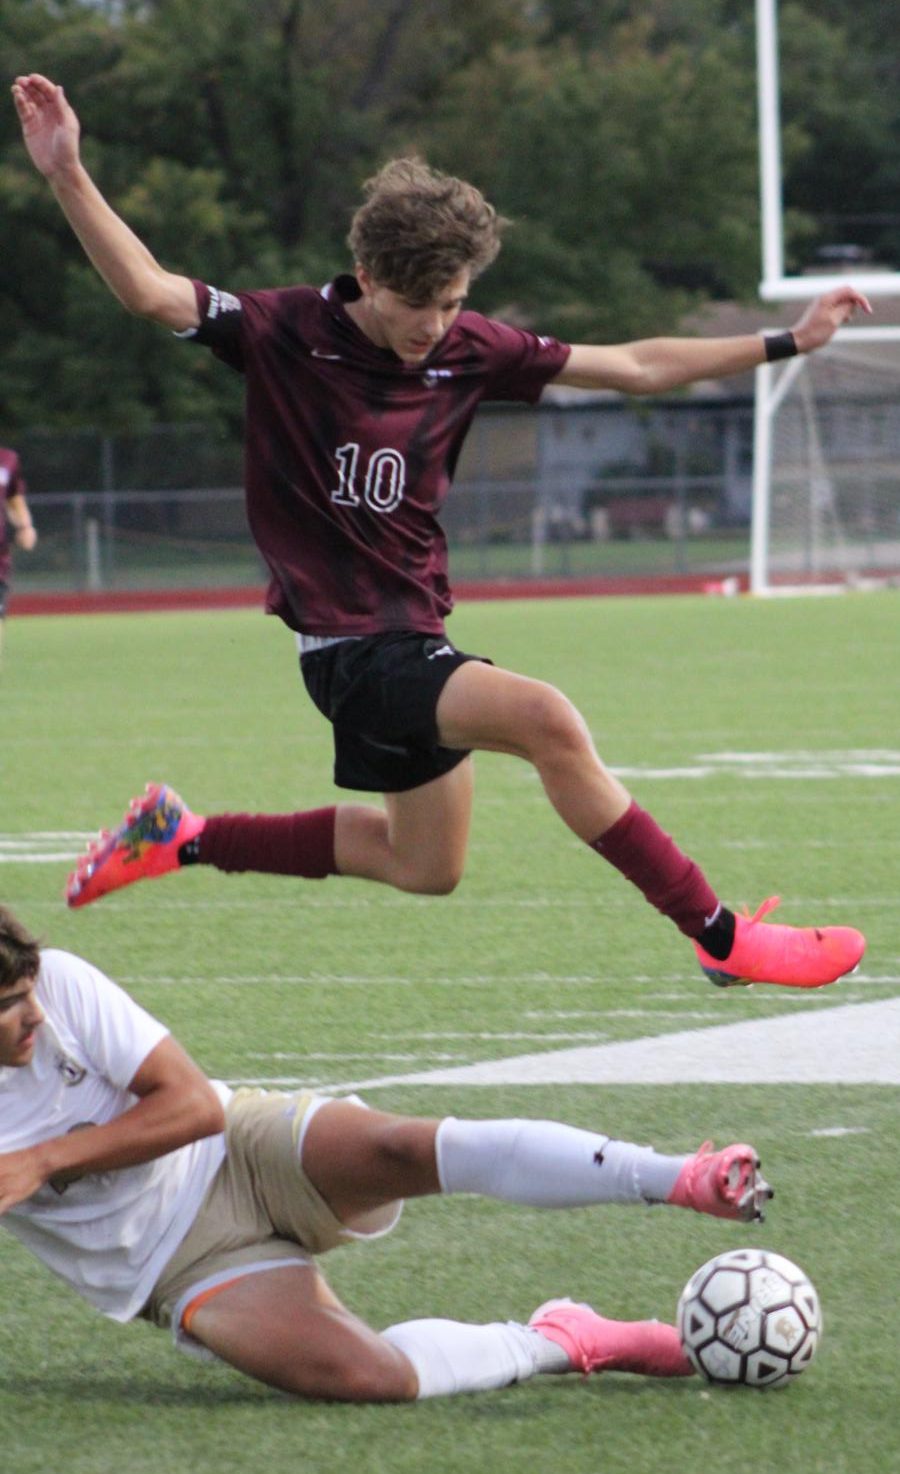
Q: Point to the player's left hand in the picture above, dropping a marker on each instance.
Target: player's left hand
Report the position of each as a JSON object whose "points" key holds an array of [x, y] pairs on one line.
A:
{"points": [[26, 537], [825, 315]]}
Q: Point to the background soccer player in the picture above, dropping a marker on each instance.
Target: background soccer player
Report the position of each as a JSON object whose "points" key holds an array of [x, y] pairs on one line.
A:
{"points": [[16, 525], [359, 397]]}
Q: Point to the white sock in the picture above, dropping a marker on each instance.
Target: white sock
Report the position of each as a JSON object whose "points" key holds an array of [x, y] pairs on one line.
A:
{"points": [[544, 1164], [449, 1356]]}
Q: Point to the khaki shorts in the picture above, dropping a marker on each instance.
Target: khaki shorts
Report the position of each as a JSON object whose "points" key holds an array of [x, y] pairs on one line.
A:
{"points": [[260, 1210]]}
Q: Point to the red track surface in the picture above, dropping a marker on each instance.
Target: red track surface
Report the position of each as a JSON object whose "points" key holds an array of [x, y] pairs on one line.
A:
{"points": [[135, 601]]}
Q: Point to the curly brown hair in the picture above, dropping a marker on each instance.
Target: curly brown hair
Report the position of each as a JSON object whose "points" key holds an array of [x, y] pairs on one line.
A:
{"points": [[418, 229], [20, 953]]}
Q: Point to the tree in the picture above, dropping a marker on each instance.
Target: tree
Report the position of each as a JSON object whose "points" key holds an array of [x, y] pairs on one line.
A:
{"points": [[620, 137], [631, 176], [841, 122]]}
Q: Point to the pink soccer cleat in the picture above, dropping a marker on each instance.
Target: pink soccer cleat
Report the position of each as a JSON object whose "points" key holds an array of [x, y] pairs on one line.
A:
{"points": [[726, 1183], [792, 956], [145, 844], [595, 1344]]}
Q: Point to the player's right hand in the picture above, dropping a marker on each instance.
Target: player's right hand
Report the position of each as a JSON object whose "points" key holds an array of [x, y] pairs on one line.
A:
{"points": [[50, 127]]}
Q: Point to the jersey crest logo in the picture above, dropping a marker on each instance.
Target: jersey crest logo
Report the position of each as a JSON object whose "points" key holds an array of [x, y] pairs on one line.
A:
{"points": [[70, 1071], [432, 377]]}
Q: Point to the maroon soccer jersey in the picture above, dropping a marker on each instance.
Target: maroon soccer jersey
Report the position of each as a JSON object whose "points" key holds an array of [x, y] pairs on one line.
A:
{"points": [[349, 452], [11, 484]]}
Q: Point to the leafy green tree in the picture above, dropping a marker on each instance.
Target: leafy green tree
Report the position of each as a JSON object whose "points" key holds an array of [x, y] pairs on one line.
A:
{"points": [[841, 121], [619, 136], [631, 177]]}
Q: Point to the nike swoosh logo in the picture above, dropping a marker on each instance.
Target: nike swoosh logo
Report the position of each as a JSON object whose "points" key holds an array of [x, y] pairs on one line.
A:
{"points": [[384, 746], [333, 356]]}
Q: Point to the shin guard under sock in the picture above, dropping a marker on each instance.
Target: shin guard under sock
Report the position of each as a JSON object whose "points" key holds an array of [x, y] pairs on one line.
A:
{"points": [[273, 844], [652, 861]]}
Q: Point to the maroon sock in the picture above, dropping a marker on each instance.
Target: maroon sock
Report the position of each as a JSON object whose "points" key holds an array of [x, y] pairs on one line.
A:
{"points": [[652, 861], [275, 844]]}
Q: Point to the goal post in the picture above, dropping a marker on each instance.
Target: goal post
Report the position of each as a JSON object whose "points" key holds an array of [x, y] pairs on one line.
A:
{"points": [[826, 467], [775, 285], [826, 453]]}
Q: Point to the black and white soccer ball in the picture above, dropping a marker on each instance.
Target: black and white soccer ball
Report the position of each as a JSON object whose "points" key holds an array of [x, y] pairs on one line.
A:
{"points": [[750, 1316]]}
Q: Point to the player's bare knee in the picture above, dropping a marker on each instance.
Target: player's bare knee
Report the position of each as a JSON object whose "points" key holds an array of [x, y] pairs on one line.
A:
{"points": [[433, 879], [553, 725], [444, 883]]}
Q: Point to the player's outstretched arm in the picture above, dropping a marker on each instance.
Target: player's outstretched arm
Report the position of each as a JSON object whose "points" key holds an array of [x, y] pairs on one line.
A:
{"points": [[655, 365], [51, 133]]}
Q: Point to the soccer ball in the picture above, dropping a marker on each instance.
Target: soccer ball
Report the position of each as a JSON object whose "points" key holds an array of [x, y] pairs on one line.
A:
{"points": [[749, 1316]]}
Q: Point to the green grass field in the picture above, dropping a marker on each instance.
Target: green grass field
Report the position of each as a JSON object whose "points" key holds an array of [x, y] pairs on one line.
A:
{"points": [[541, 948]]}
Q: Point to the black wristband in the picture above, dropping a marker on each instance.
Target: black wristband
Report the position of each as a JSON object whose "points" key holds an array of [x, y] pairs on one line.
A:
{"points": [[780, 345]]}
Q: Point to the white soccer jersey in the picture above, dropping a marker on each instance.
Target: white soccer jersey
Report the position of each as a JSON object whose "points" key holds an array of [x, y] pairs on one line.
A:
{"points": [[108, 1234]]}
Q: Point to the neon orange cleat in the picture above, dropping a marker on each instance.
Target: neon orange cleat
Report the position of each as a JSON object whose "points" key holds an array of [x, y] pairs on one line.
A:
{"points": [[726, 1183], [145, 844], [595, 1344], [792, 956]]}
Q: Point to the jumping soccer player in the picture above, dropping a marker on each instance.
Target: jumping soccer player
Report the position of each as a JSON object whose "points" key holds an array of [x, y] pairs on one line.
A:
{"points": [[359, 397]]}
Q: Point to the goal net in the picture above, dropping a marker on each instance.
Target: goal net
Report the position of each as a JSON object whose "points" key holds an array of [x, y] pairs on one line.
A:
{"points": [[826, 475]]}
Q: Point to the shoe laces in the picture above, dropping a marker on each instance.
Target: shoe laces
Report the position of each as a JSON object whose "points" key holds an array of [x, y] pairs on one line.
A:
{"points": [[762, 910]]}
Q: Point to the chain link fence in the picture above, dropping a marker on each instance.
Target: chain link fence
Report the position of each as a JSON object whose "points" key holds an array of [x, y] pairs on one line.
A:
{"points": [[599, 488]]}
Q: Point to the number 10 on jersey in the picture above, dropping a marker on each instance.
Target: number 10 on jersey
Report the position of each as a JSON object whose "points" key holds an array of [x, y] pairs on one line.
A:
{"points": [[385, 478]]}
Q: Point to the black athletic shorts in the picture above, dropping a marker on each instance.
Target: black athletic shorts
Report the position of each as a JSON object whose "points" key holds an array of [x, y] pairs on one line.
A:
{"points": [[4, 591], [380, 694]]}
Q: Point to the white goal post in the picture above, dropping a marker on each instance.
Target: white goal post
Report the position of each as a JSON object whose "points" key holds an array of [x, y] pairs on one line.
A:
{"points": [[826, 467], [775, 286], [826, 451]]}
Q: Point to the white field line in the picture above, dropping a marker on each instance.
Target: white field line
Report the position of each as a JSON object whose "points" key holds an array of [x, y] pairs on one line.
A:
{"points": [[802, 764], [364, 980], [856, 1044], [841, 1131], [40, 836], [649, 987], [594, 1036], [42, 847]]}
